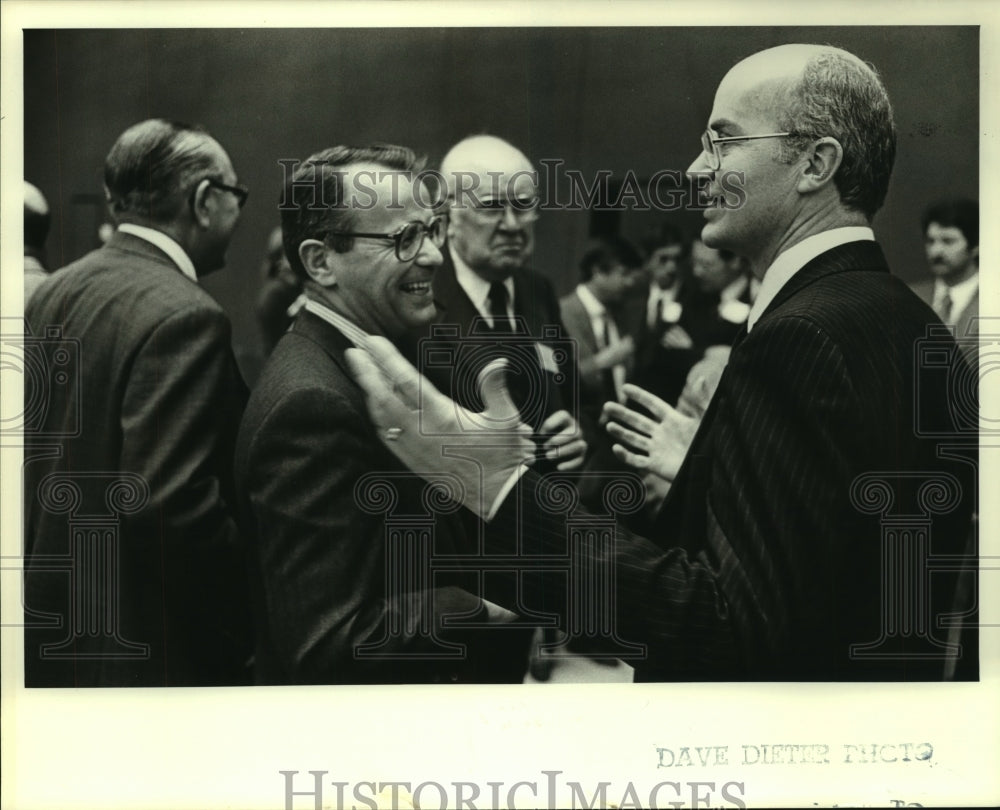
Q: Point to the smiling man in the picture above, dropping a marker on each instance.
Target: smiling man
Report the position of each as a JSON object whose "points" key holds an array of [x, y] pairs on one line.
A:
{"points": [[311, 470], [772, 556]]}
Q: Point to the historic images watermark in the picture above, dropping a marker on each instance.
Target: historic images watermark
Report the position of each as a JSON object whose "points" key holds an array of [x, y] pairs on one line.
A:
{"points": [[562, 189], [304, 793]]}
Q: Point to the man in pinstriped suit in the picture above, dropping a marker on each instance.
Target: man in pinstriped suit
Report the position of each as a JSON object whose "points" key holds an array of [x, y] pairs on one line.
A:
{"points": [[770, 557]]}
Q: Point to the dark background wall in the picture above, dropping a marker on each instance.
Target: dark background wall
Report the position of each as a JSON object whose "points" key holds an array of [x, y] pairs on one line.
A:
{"points": [[612, 98]]}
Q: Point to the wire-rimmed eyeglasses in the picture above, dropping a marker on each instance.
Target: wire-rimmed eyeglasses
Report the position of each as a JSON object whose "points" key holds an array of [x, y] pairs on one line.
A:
{"points": [[710, 144]]}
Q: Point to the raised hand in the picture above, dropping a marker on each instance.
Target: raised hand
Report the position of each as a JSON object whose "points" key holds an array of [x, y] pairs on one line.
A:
{"points": [[432, 435], [658, 444]]}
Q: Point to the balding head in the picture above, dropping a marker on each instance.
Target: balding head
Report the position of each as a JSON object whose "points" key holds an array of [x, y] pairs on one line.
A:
{"points": [[485, 157], [493, 190], [155, 164], [36, 220], [816, 91]]}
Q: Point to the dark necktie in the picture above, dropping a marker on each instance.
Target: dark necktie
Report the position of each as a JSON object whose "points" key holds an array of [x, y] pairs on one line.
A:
{"points": [[498, 308]]}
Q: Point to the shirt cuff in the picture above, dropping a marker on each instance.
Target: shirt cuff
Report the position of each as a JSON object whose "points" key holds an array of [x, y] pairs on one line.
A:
{"points": [[505, 491]]}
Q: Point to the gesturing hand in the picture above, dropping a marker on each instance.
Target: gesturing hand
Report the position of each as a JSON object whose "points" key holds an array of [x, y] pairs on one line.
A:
{"points": [[432, 435], [658, 444]]}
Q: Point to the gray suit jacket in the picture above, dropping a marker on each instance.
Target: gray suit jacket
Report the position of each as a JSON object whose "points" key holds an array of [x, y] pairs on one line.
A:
{"points": [[131, 422]]}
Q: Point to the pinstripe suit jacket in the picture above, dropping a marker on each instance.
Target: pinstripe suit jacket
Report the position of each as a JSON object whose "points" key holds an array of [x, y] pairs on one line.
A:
{"points": [[761, 565]]}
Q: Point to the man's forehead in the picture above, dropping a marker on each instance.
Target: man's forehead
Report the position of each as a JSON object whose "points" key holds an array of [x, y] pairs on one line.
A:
{"points": [[379, 195], [752, 89]]}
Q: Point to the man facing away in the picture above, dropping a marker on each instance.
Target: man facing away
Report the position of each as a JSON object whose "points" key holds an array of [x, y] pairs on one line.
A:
{"points": [[129, 539], [769, 559]]}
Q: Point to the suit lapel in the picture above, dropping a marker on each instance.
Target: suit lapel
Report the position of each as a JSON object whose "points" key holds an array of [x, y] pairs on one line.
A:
{"points": [[453, 303], [577, 322], [862, 255], [326, 336]]}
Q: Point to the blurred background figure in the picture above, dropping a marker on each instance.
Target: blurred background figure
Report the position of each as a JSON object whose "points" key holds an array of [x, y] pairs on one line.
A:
{"points": [[699, 299], [281, 294], [951, 243], [595, 316], [37, 220]]}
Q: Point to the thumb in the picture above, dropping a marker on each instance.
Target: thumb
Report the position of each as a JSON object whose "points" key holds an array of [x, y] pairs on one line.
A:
{"points": [[500, 408]]}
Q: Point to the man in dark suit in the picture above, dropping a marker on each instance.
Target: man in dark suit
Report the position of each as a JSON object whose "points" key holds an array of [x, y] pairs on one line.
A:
{"points": [[806, 496], [594, 317], [951, 242], [493, 304], [134, 570], [329, 511], [706, 315]]}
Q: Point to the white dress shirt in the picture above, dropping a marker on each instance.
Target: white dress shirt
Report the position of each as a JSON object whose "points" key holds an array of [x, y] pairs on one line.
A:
{"points": [[961, 295], [347, 328], [599, 318], [789, 263], [164, 243]]}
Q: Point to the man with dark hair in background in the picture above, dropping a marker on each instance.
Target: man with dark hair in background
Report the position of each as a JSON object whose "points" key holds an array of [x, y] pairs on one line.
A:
{"points": [[951, 242], [138, 430], [769, 558], [338, 595], [37, 220]]}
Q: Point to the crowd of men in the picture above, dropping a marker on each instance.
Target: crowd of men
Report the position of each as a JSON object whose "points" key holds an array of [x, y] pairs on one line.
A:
{"points": [[389, 503]]}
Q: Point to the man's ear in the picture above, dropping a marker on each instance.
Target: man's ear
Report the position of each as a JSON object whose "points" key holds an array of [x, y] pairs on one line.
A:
{"points": [[315, 257], [199, 204], [822, 161]]}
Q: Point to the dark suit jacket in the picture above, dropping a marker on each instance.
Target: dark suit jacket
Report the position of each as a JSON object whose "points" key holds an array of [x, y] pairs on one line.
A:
{"points": [[452, 362], [150, 399], [762, 564], [664, 371], [319, 527]]}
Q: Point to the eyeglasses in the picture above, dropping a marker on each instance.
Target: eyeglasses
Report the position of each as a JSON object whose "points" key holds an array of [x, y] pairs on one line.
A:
{"points": [[524, 209], [408, 239], [710, 144], [240, 192]]}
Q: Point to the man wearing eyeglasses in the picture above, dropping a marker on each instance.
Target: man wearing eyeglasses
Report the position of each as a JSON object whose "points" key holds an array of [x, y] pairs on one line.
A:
{"points": [[490, 297], [339, 595], [129, 537], [799, 535]]}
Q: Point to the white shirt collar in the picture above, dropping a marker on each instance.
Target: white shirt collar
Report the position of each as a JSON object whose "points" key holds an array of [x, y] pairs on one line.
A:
{"points": [[595, 309], [478, 288], [347, 328], [164, 243], [961, 294], [787, 264]]}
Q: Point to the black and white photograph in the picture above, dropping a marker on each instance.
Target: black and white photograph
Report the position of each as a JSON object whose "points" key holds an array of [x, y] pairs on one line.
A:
{"points": [[409, 406]]}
